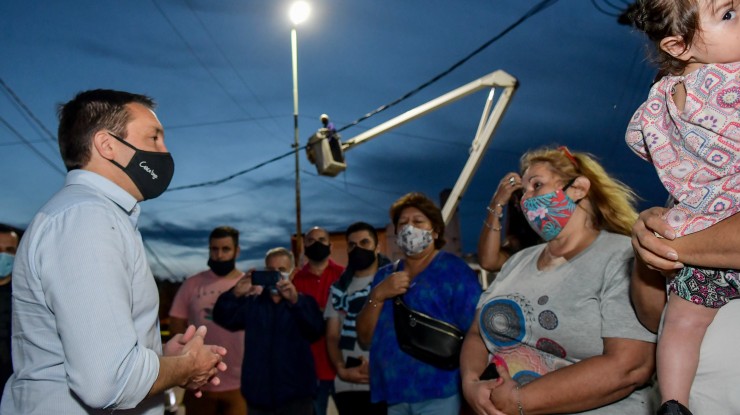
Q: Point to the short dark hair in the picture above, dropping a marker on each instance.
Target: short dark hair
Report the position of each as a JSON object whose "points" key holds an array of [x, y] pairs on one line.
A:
{"points": [[362, 226], [427, 207], [225, 232], [89, 112]]}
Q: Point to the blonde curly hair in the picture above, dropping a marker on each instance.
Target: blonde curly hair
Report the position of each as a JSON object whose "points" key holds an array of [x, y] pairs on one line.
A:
{"points": [[613, 201]]}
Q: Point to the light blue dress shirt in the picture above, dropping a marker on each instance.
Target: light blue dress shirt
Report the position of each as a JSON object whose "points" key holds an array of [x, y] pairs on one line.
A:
{"points": [[85, 307]]}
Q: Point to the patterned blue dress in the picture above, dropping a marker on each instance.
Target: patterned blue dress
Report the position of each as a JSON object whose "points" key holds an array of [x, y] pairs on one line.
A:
{"points": [[448, 290]]}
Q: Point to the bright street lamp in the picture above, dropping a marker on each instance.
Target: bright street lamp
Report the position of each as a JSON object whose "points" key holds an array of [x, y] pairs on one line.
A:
{"points": [[299, 12]]}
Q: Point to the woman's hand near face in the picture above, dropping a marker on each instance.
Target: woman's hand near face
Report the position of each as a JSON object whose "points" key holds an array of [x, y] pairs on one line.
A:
{"points": [[506, 187]]}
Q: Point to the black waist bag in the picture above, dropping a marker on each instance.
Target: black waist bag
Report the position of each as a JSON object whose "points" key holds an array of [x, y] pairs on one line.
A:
{"points": [[425, 338]]}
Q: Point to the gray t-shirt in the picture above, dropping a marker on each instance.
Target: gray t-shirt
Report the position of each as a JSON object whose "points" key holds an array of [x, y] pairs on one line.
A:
{"points": [[541, 321], [357, 284]]}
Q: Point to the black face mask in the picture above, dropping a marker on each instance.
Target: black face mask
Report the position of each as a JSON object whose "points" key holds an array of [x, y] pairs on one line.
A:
{"points": [[317, 251], [359, 258], [151, 171], [222, 268]]}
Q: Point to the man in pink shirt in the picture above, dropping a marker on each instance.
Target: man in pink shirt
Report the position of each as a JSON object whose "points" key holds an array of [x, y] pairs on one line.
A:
{"points": [[193, 304], [314, 279]]}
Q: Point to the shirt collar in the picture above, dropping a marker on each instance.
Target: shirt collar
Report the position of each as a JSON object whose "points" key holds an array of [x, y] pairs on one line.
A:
{"points": [[108, 189]]}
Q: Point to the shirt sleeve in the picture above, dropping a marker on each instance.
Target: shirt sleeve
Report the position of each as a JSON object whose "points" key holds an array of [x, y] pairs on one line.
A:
{"points": [[618, 317], [635, 137], [231, 312], [329, 310], [85, 264]]}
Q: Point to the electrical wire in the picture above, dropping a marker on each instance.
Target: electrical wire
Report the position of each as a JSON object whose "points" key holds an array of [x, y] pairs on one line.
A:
{"points": [[33, 149], [616, 7], [25, 108], [235, 175], [39, 141], [544, 4], [157, 259], [369, 203], [603, 11], [233, 68], [204, 65], [211, 123]]}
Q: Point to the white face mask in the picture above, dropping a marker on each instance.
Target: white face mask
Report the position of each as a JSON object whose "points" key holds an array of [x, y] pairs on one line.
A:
{"points": [[413, 240]]}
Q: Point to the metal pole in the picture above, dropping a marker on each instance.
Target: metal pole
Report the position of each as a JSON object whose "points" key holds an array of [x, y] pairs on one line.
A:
{"points": [[298, 234]]}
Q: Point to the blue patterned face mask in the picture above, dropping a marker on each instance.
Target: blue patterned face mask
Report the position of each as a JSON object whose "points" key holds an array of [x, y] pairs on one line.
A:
{"points": [[413, 240], [6, 264], [549, 213]]}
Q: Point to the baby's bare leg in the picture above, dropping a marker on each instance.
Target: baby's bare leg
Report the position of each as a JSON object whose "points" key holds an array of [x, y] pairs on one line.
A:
{"points": [[684, 326]]}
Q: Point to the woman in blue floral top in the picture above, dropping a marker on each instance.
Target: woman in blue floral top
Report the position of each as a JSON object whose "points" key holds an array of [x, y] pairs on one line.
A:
{"points": [[432, 282]]}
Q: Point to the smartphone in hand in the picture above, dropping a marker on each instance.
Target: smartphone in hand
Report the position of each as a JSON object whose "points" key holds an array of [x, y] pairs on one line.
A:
{"points": [[352, 362], [265, 278]]}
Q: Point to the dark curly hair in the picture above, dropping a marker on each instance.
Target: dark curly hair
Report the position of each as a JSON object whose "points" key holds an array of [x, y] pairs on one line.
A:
{"points": [[427, 207], [663, 18]]}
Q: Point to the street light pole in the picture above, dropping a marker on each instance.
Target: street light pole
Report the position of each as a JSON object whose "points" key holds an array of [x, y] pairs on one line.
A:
{"points": [[298, 228], [299, 12]]}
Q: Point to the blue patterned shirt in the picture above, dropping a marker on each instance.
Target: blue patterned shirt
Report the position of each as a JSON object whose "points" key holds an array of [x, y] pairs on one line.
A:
{"points": [[448, 290]]}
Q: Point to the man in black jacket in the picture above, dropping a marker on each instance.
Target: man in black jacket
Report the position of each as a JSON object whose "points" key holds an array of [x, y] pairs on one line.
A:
{"points": [[278, 375]]}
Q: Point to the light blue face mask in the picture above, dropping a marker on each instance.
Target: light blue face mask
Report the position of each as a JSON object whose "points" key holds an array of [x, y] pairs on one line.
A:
{"points": [[6, 264]]}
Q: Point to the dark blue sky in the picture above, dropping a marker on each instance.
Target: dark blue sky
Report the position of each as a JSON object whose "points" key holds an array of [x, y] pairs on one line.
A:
{"points": [[221, 73]]}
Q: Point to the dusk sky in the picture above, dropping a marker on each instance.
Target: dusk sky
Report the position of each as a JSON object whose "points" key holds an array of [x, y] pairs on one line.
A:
{"points": [[220, 72]]}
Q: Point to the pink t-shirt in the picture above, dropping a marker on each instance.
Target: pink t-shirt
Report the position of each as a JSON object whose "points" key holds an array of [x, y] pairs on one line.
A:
{"points": [[696, 152], [194, 302]]}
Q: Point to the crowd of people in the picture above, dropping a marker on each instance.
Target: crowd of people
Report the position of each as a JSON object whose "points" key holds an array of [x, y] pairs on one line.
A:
{"points": [[594, 308]]}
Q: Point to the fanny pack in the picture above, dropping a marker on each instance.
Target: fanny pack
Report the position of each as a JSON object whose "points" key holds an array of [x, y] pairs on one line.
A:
{"points": [[425, 338]]}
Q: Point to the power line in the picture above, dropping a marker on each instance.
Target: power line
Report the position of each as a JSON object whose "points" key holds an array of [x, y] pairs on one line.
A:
{"points": [[231, 65], [20, 144], [237, 174], [201, 62], [30, 113], [156, 258], [603, 11], [28, 144], [210, 123], [329, 183], [533, 11], [616, 7]]}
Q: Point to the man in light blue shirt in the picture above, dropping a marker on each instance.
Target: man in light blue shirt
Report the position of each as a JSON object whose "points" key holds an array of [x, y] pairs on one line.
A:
{"points": [[85, 305]]}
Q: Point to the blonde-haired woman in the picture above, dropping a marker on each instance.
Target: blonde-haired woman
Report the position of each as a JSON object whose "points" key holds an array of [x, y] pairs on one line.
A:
{"points": [[557, 321]]}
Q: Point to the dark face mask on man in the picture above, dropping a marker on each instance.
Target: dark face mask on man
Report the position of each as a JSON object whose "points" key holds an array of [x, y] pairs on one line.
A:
{"points": [[222, 268], [151, 171], [317, 251], [360, 258]]}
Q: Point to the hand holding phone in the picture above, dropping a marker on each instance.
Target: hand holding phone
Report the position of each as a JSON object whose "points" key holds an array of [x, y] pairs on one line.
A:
{"points": [[352, 362], [265, 278]]}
